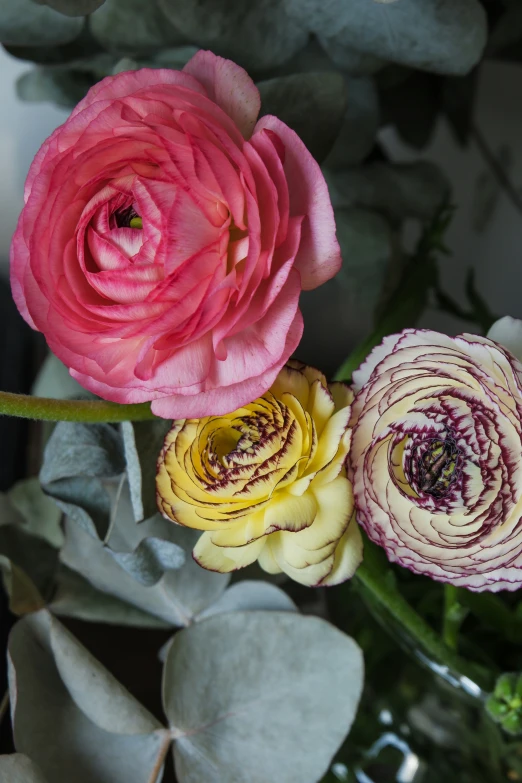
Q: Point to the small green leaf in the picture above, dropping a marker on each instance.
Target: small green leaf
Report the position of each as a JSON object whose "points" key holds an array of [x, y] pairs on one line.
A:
{"points": [[259, 36], [18, 768], [24, 23], [72, 7], [312, 104], [272, 702]]}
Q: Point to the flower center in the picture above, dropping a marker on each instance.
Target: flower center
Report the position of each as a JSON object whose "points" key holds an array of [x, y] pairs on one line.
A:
{"points": [[435, 465], [128, 218]]}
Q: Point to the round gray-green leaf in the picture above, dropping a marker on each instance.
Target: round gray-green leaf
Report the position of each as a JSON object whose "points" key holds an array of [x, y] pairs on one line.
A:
{"points": [[18, 768], [54, 732], [24, 23], [258, 35], [72, 7], [312, 104], [444, 36], [133, 27], [260, 696], [360, 124]]}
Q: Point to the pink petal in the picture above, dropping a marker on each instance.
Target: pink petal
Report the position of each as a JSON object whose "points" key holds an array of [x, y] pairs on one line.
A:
{"points": [[217, 402], [319, 256], [229, 86]]}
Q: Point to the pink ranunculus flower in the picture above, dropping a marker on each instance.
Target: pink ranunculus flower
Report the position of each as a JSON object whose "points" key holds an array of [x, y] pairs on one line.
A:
{"points": [[166, 237]]}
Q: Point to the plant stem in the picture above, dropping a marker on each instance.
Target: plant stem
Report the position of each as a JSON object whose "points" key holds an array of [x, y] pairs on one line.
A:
{"points": [[454, 614], [4, 704], [162, 755], [418, 629], [46, 409]]}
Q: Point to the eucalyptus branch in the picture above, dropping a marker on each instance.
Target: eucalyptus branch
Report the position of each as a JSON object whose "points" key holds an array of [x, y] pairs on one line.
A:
{"points": [[47, 409]]}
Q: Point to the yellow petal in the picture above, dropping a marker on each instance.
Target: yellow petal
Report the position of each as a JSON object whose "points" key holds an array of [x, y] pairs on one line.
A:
{"points": [[225, 559], [245, 530], [288, 512], [266, 559], [334, 511], [291, 379], [329, 440], [348, 556], [320, 405], [342, 394], [294, 555], [311, 575]]}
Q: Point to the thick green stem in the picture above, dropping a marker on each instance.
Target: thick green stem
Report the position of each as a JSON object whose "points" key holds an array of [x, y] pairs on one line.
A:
{"points": [[46, 409], [421, 634]]}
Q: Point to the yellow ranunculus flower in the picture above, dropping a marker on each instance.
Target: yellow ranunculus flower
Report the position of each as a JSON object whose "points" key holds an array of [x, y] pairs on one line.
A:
{"points": [[268, 482]]}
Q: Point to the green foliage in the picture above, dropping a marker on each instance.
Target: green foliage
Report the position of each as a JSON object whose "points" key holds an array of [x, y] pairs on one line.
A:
{"points": [[24, 23], [324, 96], [72, 7], [505, 703], [260, 35], [17, 768]]}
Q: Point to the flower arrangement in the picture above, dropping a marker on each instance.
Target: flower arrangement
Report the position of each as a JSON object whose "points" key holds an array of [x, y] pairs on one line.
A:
{"points": [[278, 537]]}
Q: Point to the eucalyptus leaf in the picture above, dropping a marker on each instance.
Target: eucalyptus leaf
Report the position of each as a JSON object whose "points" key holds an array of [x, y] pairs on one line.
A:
{"points": [[18, 768], [56, 85], [143, 442], [133, 27], [78, 458], [40, 516], [259, 36], [352, 60], [56, 733], [312, 104], [366, 242], [76, 597], [94, 690], [445, 36], [251, 595], [54, 380], [72, 7], [359, 128], [398, 191], [176, 599], [28, 564], [273, 700], [24, 23], [151, 558]]}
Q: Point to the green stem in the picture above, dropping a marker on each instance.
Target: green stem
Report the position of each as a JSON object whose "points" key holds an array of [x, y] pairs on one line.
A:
{"points": [[454, 614], [427, 640], [46, 409]]}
